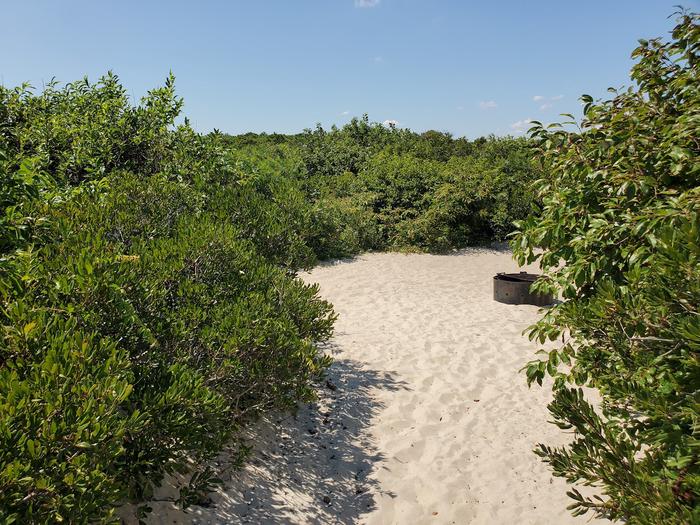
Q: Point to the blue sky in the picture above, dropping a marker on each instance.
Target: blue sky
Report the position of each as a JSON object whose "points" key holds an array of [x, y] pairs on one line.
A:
{"points": [[470, 68]]}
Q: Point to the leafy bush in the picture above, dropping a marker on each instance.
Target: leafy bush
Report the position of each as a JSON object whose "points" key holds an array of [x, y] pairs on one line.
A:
{"points": [[271, 212], [426, 191], [62, 392], [402, 187], [477, 200], [342, 227], [140, 330], [328, 154], [369, 187], [619, 232], [82, 131], [435, 206]]}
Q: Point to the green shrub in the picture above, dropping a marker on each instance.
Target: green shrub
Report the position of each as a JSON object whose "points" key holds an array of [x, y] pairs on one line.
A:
{"points": [[619, 233], [401, 187], [342, 227], [478, 201], [62, 393], [272, 212], [82, 131], [408, 191], [331, 153], [142, 326]]}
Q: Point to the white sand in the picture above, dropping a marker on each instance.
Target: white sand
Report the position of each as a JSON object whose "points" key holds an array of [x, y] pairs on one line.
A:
{"points": [[425, 419]]}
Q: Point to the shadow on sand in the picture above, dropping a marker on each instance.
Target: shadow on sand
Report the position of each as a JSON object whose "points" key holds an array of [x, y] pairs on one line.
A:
{"points": [[313, 467]]}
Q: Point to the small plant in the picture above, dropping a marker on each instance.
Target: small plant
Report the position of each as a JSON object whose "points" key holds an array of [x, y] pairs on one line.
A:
{"points": [[197, 491]]}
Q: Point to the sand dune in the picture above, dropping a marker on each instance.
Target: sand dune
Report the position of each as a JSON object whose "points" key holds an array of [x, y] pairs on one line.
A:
{"points": [[425, 417]]}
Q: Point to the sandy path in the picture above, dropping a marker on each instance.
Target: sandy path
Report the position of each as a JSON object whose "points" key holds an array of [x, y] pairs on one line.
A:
{"points": [[425, 418]]}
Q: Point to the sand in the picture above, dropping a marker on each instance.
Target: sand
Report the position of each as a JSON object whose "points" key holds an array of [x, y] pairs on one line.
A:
{"points": [[425, 417]]}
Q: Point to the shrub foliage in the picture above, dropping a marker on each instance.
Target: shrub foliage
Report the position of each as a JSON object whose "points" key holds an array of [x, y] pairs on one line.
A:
{"points": [[619, 236], [379, 188], [141, 324]]}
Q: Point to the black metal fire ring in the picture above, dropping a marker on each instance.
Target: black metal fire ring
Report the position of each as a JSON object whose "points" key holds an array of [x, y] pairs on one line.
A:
{"points": [[514, 288]]}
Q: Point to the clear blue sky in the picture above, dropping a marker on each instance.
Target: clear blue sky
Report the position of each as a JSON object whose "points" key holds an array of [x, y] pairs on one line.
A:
{"points": [[467, 67]]}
